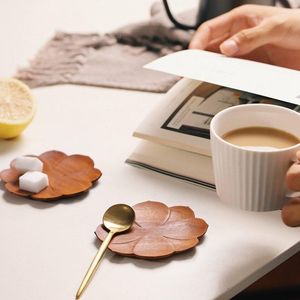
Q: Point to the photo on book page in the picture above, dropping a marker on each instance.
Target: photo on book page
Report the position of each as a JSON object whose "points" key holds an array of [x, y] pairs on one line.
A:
{"points": [[194, 114], [182, 117]]}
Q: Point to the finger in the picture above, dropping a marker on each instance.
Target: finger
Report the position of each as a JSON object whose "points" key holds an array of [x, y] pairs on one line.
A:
{"points": [[247, 40], [298, 156], [290, 212], [212, 29], [242, 17], [214, 46], [292, 178]]}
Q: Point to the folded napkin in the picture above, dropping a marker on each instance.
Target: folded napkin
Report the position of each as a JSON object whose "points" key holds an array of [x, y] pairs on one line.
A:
{"points": [[115, 59]]}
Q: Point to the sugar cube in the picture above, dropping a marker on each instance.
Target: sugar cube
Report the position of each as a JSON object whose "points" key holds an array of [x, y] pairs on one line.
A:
{"points": [[33, 181], [28, 163]]}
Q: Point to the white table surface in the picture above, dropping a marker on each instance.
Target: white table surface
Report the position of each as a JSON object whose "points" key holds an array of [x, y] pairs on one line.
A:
{"points": [[46, 247]]}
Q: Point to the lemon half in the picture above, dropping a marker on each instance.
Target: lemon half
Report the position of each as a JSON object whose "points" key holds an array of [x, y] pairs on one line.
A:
{"points": [[17, 107]]}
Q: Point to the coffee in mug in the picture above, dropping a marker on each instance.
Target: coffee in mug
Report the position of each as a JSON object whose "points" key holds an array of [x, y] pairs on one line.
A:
{"points": [[261, 137]]}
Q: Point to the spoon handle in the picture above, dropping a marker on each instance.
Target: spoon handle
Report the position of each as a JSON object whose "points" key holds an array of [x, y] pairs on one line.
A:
{"points": [[94, 265]]}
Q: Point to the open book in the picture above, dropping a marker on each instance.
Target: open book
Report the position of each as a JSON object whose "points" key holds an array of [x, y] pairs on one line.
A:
{"points": [[176, 133]]}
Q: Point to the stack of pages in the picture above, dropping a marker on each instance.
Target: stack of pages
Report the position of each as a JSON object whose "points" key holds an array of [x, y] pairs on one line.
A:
{"points": [[175, 135]]}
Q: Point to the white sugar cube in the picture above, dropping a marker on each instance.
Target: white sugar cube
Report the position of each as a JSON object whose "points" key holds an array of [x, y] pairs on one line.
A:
{"points": [[27, 163], [33, 181]]}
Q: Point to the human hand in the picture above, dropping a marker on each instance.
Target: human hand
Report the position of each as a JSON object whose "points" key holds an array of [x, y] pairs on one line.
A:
{"points": [[262, 33], [291, 210]]}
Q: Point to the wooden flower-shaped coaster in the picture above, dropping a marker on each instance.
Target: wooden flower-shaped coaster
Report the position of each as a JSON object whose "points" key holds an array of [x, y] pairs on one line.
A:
{"points": [[68, 176], [158, 231]]}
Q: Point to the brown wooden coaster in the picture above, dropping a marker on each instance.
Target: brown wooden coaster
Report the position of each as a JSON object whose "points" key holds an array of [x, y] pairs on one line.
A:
{"points": [[68, 176], [158, 231]]}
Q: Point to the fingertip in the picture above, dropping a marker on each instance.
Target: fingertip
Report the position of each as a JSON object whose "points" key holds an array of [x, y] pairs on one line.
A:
{"points": [[194, 44], [200, 38], [197, 41], [229, 47]]}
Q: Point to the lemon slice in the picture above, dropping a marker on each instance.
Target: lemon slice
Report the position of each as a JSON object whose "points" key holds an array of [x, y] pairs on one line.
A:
{"points": [[17, 107]]}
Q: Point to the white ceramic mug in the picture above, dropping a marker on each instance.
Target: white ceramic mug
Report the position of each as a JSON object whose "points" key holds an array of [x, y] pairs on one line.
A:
{"points": [[246, 178]]}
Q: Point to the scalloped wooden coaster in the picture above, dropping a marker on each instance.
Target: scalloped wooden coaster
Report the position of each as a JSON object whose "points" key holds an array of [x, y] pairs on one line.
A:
{"points": [[158, 231], [69, 175]]}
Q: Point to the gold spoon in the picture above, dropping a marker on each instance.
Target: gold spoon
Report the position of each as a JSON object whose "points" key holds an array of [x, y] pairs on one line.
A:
{"points": [[117, 218]]}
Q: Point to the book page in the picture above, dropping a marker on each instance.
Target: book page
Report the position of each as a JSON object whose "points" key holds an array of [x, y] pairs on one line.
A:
{"points": [[241, 74], [159, 126]]}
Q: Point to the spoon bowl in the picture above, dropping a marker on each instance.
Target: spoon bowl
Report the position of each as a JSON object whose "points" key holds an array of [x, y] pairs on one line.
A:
{"points": [[118, 218]]}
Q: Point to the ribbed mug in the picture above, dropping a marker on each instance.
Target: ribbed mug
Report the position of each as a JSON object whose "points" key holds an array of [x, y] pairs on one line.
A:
{"points": [[249, 178]]}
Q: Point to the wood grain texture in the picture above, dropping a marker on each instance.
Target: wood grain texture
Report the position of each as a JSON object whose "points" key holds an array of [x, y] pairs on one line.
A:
{"points": [[158, 231], [68, 176]]}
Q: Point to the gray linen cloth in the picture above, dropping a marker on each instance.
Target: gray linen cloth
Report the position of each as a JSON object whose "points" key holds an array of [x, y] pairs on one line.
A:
{"points": [[112, 60]]}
